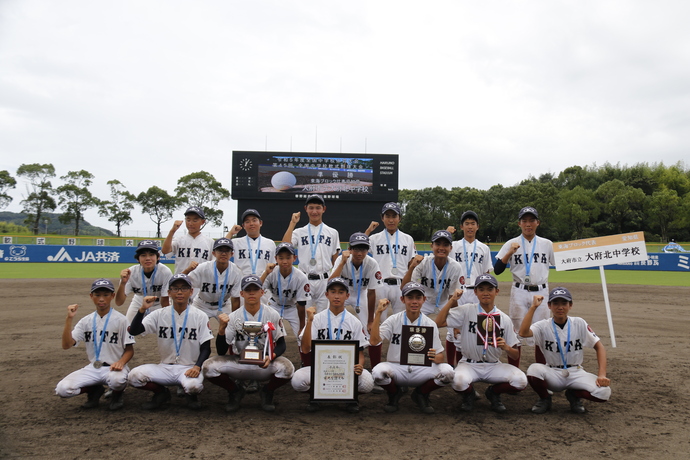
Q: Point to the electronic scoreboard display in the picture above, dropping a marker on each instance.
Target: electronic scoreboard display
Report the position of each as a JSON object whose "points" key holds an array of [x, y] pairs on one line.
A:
{"points": [[336, 176]]}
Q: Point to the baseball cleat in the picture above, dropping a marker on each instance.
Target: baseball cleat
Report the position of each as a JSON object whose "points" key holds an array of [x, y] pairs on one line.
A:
{"points": [[352, 407], [576, 405], [422, 401], [234, 399], [393, 399], [313, 407], [252, 386], [468, 400], [267, 399], [193, 402], [94, 394], [496, 404], [157, 400], [116, 400], [542, 406]]}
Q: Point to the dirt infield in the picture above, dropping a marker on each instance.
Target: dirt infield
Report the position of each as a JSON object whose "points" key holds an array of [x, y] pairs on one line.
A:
{"points": [[647, 416]]}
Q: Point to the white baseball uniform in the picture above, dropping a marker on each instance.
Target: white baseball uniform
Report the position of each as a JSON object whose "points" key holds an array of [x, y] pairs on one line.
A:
{"points": [[188, 249], [393, 254], [574, 375], [208, 283], [319, 243], [360, 279], [406, 375], [439, 284], [112, 346], [481, 362], [533, 258], [188, 330], [285, 292], [238, 340], [251, 255], [327, 326], [154, 284]]}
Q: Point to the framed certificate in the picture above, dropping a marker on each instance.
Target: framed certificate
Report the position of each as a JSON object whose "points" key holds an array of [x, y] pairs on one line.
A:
{"points": [[415, 343], [333, 375]]}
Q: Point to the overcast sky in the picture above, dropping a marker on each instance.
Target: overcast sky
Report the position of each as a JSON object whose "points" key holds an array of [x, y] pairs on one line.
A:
{"points": [[467, 93]]}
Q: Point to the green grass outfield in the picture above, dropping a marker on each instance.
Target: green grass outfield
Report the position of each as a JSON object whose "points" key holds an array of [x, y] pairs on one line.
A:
{"points": [[11, 270]]}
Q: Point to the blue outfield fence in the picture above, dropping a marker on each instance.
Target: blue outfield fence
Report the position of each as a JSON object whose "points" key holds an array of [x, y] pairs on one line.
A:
{"points": [[677, 262]]}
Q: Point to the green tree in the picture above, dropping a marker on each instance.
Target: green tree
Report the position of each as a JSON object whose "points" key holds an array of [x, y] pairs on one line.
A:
{"points": [[426, 211], [663, 208], [203, 190], [159, 205], [39, 198], [75, 197], [119, 208], [6, 182], [576, 208], [498, 217], [622, 204]]}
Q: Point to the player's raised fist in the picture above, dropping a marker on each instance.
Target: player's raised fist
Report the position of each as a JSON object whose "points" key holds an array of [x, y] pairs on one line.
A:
{"points": [[537, 300], [416, 260], [456, 295], [235, 229], [149, 300], [383, 305], [346, 255], [295, 217], [72, 310], [450, 229], [124, 275], [223, 319], [514, 247], [270, 267], [192, 266], [177, 224], [311, 311], [372, 226]]}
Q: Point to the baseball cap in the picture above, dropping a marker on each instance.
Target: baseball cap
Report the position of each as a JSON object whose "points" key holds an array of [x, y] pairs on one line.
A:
{"points": [[195, 210], [180, 277], [469, 215], [102, 283], [442, 234], [220, 242], [560, 293], [486, 278], [528, 210], [285, 246], [250, 212], [315, 198], [411, 287], [392, 206], [337, 280], [359, 239], [143, 245], [251, 280]]}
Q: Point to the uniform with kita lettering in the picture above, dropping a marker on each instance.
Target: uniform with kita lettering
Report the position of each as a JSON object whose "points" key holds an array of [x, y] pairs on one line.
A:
{"points": [[112, 345], [235, 336], [251, 255], [316, 245], [210, 284], [530, 269], [156, 284], [481, 359], [405, 375], [285, 291], [185, 332], [188, 249], [573, 337], [439, 284], [360, 280], [327, 326], [393, 253]]}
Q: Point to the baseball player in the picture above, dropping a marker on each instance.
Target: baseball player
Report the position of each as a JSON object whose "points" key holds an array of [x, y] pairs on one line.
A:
{"points": [[254, 251], [288, 288], [184, 343], [475, 259], [222, 370], [317, 247], [485, 332], [393, 250], [530, 257], [149, 278], [439, 275], [563, 339], [192, 246], [217, 281], [109, 347], [335, 323], [392, 375]]}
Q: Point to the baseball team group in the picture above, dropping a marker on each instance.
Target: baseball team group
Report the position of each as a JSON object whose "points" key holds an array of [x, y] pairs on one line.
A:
{"points": [[368, 293]]}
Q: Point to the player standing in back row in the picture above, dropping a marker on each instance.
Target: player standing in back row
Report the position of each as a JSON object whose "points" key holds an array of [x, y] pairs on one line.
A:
{"points": [[317, 247], [192, 246], [254, 251], [530, 257]]}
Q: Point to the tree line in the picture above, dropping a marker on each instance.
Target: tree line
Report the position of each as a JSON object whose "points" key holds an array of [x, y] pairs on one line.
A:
{"points": [[74, 197], [579, 202]]}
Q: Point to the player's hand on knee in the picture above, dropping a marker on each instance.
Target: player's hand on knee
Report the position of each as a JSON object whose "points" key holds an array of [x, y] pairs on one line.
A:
{"points": [[193, 372], [358, 369], [72, 310], [116, 366], [603, 381]]}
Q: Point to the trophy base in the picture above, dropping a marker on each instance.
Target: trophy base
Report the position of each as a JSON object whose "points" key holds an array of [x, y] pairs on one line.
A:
{"points": [[251, 357]]}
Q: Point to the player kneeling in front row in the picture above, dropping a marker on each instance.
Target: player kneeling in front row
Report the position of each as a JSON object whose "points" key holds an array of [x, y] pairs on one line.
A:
{"points": [[108, 347], [562, 340], [393, 375], [485, 331], [184, 343], [335, 323], [252, 325]]}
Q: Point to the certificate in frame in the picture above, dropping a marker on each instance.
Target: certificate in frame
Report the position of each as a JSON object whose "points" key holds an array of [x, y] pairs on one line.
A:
{"points": [[333, 375]]}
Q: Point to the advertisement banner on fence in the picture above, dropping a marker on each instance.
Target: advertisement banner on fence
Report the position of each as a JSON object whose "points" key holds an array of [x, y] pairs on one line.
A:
{"points": [[74, 254]]}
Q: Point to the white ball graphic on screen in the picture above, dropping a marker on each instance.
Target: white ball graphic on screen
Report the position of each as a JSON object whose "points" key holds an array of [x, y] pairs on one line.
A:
{"points": [[283, 180]]}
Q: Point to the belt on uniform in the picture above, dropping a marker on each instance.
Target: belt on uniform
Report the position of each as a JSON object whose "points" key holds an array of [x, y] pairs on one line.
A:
{"points": [[314, 276], [213, 304], [474, 361], [538, 287], [391, 281], [567, 366]]}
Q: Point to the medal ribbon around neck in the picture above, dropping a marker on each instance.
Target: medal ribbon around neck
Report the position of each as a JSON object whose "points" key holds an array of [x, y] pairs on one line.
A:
{"points": [[143, 279], [359, 283], [282, 300], [558, 343], [489, 317], [340, 327], [98, 338], [443, 277], [261, 314], [419, 320], [314, 246], [221, 299], [528, 262], [468, 266], [178, 343], [394, 256], [255, 260]]}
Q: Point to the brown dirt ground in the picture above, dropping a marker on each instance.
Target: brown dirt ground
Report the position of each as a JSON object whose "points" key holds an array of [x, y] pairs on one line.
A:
{"points": [[647, 416]]}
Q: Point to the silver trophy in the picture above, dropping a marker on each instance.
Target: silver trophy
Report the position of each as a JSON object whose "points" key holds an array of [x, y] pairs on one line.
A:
{"points": [[252, 354]]}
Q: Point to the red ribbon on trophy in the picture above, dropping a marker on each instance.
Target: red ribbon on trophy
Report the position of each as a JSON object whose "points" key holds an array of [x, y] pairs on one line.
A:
{"points": [[268, 328]]}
